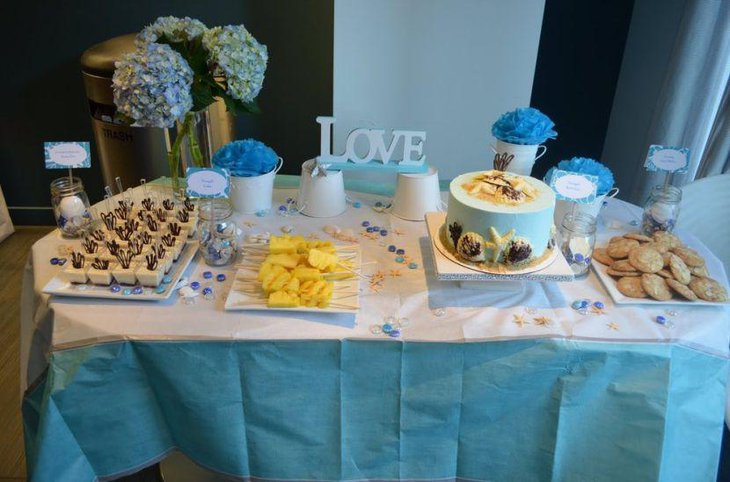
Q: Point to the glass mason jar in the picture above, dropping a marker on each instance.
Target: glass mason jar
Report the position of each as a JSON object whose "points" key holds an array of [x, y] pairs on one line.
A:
{"points": [[577, 239], [70, 206], [218, 232], [661, 209]]}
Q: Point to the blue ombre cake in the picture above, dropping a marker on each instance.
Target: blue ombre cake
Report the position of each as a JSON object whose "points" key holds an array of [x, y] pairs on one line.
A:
{"points": [[500, 218]]}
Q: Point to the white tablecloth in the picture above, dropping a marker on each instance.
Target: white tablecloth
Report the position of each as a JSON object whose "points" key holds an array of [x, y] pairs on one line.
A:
{"points": [[469, 314]]}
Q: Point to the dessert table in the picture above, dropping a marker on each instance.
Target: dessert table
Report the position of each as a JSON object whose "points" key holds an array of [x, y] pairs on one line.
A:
{"points": [[481, 384]]}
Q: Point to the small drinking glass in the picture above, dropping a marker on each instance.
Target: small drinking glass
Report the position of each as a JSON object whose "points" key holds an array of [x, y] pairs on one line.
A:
{"points": [[577, 239]]}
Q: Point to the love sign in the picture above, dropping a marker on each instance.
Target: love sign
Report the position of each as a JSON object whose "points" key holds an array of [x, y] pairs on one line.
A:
{"points": [[667, 158], [574, 186], [207, 182], [64, 155], [378, 156]]}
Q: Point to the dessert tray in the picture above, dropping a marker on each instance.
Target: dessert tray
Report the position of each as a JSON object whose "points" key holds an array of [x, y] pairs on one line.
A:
{"points": [[450, 268], [712, 266], [246, 294], [60, 286]]}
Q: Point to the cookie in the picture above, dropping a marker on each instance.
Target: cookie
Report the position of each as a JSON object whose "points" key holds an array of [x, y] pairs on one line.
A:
{"points": [[613, 272], [622, 265], [700, 271], [614, 239], [600, 255], [669, 239], [679, 270], [708, 289], [665, 273], [683, 290], [689, 256], [660, 248], [656, 287], [631, 287], [665, 257], [646, 259], [639, 237], [620, 249]]}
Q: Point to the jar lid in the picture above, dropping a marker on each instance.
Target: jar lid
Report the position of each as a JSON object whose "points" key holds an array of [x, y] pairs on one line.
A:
{"points": [[219, 208], [65, 185], [580, 223]]}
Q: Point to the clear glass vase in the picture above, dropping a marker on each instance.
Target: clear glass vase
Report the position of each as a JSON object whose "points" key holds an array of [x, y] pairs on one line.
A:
{"points": [[189, 145]]}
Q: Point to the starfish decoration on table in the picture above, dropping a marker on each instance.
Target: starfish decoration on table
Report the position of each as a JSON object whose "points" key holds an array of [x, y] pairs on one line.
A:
{"points": [[497, 242], [398, 232], [520, 320], [542, 321], [598, 311], [249, 224], [373, 236], [395, 273], [612, 326]]}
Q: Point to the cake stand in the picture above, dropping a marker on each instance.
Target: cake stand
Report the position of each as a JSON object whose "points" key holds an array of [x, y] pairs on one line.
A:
{"points": [[555, 268]]}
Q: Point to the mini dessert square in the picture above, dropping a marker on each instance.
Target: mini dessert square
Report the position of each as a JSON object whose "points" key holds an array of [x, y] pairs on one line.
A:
{"points": [[124, 232], [172, 244], [184, 219], [109, 220], [164, 258], [150, 273], [99, 235], [76, 272], [89, 246], [176, 230], [100, 272], [124, 272]]}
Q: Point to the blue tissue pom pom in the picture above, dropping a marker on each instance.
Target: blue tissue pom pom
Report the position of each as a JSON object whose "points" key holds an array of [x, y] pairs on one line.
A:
{"points": [[585, 165], [246, 158], [525, 126]]}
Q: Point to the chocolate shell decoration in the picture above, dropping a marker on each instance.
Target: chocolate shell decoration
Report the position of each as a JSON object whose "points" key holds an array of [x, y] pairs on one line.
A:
{"points": [[125, 258], [502, 161], [98, 235], [121, 213], [110, 220], [518, 250], [471, 247], [100, 263], [148, 203], [141, 216], [145, 237], [159, 251], [113, 247], [168, 240], [151, 261], [77, 260], [174, 229], [135, 246], [126, 205], [132, 224], [168, 204], [89, 245], [124, 232], [161, 215], [152, 224], [183, 216], [189, 204], [455, 231]]}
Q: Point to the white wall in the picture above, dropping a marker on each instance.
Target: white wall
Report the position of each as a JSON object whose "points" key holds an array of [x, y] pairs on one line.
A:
{"points": [[447, 67]]}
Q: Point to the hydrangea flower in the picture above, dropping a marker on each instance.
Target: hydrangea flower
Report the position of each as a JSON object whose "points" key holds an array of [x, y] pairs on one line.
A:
{"points": [[236, 54], [152, 86], [246, 158], [525, 126], [176, 29], [585, 165]]}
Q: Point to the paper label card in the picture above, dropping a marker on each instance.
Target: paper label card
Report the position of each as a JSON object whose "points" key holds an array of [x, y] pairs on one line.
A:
{"points": [[574, 186], [208, 182], [667, 158], [62, 155]]}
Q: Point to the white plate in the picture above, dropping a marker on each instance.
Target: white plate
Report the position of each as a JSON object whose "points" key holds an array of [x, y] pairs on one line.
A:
{"points": [[60, 287], [345, 296], [450, 268], [621, 299]]}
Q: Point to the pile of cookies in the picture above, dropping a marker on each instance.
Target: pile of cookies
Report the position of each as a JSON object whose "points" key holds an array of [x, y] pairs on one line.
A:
{"points": [[659, 267]]}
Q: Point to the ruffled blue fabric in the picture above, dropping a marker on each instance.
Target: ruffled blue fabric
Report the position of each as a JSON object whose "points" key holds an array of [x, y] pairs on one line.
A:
{"points": [[524, 125], [585, 165], [246, 158]]}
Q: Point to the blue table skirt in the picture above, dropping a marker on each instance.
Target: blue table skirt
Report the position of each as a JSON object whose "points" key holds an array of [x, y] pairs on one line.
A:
{"points": [[351, 410]]}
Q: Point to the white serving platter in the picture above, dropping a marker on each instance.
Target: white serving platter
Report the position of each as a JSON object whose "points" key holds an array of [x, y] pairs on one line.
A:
{"points": [[449, 268], [609, 282], [59, 286], [246, 293]]}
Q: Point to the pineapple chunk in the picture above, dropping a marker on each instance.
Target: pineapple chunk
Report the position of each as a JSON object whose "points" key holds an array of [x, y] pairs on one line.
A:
{"points": [[321, 260], [292, 286], [275, 281], [303, 273], [282, 299], [289, 261], [282, 245]]}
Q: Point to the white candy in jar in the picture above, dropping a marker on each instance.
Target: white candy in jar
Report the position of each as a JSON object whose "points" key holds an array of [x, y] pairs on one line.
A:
{"points": [[71, 207]]}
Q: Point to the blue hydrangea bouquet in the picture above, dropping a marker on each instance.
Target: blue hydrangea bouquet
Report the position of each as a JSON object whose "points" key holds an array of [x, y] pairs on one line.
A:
{"points": [[524, 126], [585, 165], [179, 68]]}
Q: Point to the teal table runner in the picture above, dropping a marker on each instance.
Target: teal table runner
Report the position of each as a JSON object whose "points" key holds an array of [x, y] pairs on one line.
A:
{"points": [[533, 409]]}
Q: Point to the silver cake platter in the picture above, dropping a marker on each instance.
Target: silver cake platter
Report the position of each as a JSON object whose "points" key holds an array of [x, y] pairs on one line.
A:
{"points": [[449, 268]]}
